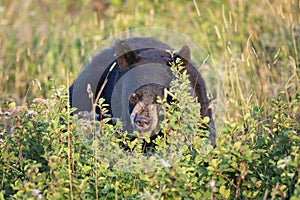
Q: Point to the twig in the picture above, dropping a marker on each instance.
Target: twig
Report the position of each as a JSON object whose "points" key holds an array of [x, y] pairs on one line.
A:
{"points": [[69, 147]]}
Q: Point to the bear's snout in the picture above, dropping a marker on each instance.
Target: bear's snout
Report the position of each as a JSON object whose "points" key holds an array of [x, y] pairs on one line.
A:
{"points": [[144, 117], [142, 121]]}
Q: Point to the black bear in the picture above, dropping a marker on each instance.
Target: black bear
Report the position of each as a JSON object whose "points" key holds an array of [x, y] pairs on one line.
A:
{"points": [[130, 76]]}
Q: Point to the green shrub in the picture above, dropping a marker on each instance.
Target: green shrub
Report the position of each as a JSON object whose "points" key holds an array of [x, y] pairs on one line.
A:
{"points": [[254, 49], [47, 153]]}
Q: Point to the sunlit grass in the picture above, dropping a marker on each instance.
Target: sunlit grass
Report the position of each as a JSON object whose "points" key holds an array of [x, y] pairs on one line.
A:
{"points": [[253, 81], [254, 46]]}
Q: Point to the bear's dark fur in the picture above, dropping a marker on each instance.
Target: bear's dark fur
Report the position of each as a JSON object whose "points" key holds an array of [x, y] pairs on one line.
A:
{"points": [[128, 54]]}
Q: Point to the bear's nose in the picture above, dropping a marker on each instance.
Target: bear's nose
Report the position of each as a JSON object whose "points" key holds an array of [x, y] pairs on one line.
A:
{"points": [[141, 121]]}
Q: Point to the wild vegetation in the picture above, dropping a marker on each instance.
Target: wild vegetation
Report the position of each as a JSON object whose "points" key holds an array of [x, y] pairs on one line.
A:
{"points": [[254, 51]]}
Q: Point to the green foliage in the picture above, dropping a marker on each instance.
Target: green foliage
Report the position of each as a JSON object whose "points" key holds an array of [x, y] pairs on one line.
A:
{"points": [[254, 52], [46, 153]]}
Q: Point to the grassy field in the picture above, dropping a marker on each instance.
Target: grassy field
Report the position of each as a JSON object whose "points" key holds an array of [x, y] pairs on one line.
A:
{"points": [[254, 47]]}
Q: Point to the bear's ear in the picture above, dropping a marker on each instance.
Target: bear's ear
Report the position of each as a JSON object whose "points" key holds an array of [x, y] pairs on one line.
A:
{"points": [[125, 56], [184, 54]]}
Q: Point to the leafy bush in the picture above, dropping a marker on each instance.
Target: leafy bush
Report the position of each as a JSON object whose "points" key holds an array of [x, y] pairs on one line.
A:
{"points": [[47, 153]]}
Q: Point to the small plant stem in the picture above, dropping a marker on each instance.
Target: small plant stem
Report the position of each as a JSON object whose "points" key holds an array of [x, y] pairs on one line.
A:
{"points": [[94, 138], [70, 149], [225, 177], [266, 194]]}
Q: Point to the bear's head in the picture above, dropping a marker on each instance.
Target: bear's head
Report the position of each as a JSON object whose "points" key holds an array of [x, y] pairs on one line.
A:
{"points": [[143, 108]]}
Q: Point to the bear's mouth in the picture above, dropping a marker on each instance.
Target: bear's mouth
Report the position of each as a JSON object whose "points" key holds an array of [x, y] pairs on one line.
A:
{"points": [[144, 118]]}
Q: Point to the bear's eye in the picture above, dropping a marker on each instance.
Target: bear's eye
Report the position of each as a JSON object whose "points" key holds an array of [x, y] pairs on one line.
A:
{"points": [[134, 97]]}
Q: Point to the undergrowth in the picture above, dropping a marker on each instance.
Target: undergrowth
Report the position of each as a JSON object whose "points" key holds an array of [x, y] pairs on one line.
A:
{"points": [[47, 153]]}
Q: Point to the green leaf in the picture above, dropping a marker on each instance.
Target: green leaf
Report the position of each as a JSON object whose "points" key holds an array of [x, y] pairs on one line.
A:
{"points": [[210, 168], [147, 139], [225, 193], [214, 163], [206, 120], [12, 105], [1, 196], [86, 168]]}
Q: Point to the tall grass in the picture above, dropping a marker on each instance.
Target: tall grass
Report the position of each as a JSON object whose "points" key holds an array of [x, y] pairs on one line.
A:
{"points": [[254, 46], [254, 51]]}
